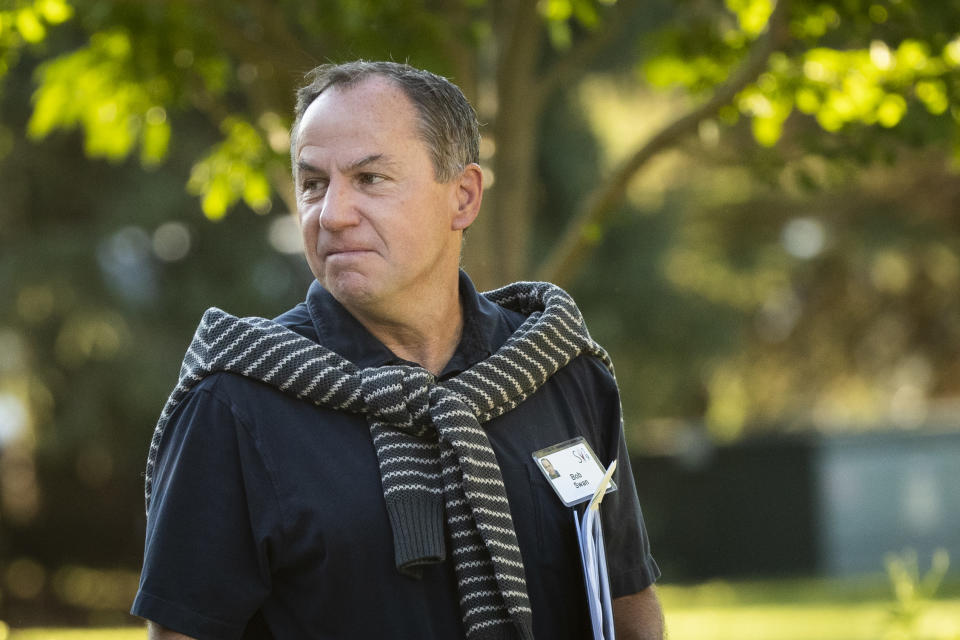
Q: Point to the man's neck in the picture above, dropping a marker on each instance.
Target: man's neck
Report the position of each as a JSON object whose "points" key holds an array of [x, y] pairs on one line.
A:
{"points": [[423, 332]]}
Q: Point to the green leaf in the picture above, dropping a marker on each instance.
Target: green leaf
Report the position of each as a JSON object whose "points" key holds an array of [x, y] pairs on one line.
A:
{"points": [[30, 27], [217, 198], [767, 131], [555, 10], [586, 13], [933, 94], [156, 142], [98, 88], [233, 169], [951, 52], [560, 35], [54, 11], [256, 191], [891, 110], [752, 15]]}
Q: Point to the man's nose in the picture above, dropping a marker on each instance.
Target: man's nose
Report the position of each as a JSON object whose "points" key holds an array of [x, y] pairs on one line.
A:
{"points": [[339, 206]]}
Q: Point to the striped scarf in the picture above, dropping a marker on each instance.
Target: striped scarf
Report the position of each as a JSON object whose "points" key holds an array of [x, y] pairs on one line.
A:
{"points": [[436, 463]]}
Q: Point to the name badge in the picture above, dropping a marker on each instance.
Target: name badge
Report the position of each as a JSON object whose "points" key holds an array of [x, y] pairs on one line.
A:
{"points": [[573, 470]]}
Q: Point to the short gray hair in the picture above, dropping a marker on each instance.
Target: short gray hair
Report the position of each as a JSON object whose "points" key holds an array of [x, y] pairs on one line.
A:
{"points": [[447, 123]]}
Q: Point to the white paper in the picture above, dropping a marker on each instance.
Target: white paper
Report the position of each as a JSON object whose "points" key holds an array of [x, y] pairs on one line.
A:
{"points": [[594, 561]]}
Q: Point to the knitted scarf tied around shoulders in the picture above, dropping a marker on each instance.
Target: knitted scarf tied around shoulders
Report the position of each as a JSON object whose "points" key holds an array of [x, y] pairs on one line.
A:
{"points": [[436, 463]]}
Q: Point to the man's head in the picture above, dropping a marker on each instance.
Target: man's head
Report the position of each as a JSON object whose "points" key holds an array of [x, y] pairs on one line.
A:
{"points": [[447, 123], [385, 183]]}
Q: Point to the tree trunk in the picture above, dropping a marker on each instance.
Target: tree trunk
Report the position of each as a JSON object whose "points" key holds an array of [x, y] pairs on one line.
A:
{"points": [[499, 247]]}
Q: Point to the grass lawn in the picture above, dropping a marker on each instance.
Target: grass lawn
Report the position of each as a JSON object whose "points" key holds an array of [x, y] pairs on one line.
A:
{"points": [[78, 634], [869, 621], [782, 610], [860, 609]]}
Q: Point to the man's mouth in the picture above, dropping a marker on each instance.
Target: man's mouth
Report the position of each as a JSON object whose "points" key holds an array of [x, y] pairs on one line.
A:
{"points": [[345, 252]]}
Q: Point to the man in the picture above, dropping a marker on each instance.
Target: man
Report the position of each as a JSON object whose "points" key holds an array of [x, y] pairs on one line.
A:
{"points": [[380, 508]]}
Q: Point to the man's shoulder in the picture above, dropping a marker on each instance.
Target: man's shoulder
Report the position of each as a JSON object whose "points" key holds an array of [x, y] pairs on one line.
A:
{"points": [[234, 390], [248, 395], [591, 378], [228, 398], [592, 366], [586, 369]]}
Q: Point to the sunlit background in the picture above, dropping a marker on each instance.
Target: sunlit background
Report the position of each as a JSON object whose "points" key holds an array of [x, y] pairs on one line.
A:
{"points": [[755, 202]]}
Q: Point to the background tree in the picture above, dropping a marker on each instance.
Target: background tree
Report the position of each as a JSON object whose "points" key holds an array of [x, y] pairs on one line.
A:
{"points": [[235, 63]]}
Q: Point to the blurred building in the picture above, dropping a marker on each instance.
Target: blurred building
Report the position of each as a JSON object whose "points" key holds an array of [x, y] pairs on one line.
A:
{"points": [[802, 505]]}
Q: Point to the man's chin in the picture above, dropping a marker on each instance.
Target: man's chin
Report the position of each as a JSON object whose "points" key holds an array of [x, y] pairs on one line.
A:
{"points": [[350, 288]]}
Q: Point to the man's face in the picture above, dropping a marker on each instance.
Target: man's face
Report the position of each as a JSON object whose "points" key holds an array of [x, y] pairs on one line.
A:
{"points": [[377, 227]]}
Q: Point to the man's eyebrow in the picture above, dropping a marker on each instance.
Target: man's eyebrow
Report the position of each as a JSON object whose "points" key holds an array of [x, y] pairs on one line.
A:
{"points": [[303, 165], [373, 158]]}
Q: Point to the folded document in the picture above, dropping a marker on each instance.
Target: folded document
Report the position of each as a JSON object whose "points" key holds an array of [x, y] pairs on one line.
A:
{"points": [[593, 558]]}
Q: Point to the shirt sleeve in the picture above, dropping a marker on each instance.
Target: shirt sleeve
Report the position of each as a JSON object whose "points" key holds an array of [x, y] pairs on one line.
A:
{"points": [[630, 564], [206, 570]]}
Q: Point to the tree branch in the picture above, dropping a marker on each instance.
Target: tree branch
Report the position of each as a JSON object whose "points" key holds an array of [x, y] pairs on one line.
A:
{"points": [[577, 241]]}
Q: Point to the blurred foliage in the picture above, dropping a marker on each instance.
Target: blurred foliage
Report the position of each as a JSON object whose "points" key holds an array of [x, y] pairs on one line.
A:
{"points": [[236, 63], [97, 89], [780, 288], [563, 16], [848, 63], [914, 594], [232, 170], [24, 23]]}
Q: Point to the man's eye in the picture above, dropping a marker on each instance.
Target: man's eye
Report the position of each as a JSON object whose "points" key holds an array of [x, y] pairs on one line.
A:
{"points": [[313, 186], [369, 178]]}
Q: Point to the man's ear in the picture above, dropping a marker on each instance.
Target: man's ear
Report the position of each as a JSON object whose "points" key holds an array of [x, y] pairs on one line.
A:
{"points": [[469, 195]]}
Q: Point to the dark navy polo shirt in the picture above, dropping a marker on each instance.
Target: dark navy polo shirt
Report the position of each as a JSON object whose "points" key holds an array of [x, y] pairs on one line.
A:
{"points": [[268, 521]]}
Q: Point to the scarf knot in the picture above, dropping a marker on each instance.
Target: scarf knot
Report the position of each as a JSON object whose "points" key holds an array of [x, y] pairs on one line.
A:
{"points": [[398, 396]]}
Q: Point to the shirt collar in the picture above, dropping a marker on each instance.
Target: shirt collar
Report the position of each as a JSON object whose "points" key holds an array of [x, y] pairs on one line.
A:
{"points": [[484, 330]]}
